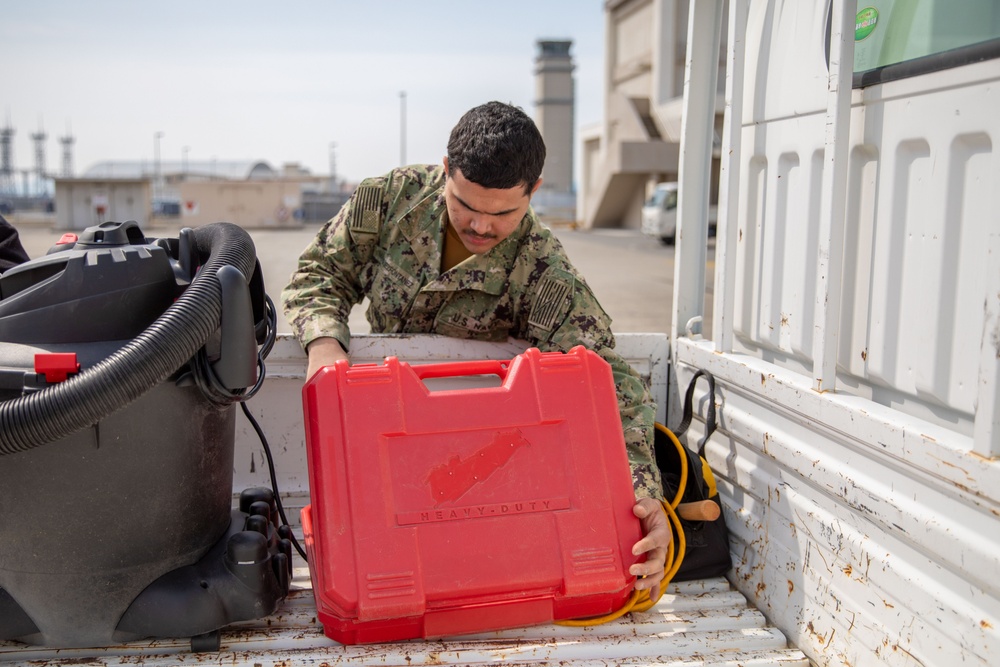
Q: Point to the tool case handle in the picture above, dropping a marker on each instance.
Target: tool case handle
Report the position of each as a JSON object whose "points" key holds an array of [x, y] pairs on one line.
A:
{"points": [[462, 368]]}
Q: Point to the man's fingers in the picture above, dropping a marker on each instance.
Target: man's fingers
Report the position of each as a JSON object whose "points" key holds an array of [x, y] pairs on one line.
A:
{"points": [[651, 584], [642, 546], [656, 538], [651, 543], [645, 507], [647, 569]]}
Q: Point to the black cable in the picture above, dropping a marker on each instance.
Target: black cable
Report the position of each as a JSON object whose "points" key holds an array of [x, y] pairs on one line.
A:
{"points": [[208, 382], [265, 349], [274, 479], [272, 326], [213, 389]]}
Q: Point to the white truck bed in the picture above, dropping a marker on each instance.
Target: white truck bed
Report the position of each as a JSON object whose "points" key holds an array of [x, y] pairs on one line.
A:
{"points": [[696, 623]]}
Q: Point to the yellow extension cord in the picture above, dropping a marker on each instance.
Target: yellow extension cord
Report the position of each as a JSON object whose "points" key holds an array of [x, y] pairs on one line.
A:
{"points": [[640, 600]]}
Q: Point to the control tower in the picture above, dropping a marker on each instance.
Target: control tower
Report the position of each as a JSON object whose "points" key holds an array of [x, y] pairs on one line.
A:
{"points": [[554, 98]]}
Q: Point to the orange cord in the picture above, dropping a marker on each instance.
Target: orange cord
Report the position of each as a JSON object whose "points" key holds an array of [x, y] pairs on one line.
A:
{"points": [[640, 600]]}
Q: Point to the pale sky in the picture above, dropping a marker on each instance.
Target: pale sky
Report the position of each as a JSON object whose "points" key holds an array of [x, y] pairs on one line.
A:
{"points": [[276, 81]]}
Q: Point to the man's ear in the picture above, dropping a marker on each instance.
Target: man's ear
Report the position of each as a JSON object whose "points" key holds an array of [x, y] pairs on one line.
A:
{"points": [[444, 161], [534, 188]]}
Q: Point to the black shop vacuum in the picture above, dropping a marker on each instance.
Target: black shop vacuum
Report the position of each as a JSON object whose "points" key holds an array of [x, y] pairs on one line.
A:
{"points": [[122, 359]]}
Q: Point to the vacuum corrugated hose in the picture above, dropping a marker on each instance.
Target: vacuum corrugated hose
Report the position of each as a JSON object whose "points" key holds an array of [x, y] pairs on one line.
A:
{"points": [[115, 382]]}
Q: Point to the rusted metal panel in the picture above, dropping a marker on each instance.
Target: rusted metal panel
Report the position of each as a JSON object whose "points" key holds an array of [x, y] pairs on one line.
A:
{"points": [[919, 446], [853, 529]]}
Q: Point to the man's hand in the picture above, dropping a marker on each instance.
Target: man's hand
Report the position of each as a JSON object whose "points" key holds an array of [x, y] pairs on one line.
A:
{"points": [[323, 352], [654, 544]]}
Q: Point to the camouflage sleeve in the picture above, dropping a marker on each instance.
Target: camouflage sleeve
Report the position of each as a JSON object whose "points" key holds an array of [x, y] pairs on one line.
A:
{"points": [[326, 284], [638, 412], [583, 321]]}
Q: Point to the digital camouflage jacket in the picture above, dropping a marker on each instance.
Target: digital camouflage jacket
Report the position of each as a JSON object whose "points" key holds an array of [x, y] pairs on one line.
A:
{"points": [[386, 244]]}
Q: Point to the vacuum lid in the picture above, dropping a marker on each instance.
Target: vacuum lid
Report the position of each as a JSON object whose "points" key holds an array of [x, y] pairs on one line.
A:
{"points": [[108, 285]]}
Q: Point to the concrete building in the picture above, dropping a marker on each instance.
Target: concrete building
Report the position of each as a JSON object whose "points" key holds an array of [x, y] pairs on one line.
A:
{"points": [[638, 143], [251, 194], [250, 204], [555, 96], [84, 202]]}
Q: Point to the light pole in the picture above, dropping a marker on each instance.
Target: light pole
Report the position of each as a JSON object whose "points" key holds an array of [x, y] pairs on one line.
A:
{"points": [[184, 160], [402, 128], [333, 166], [156, 166]]}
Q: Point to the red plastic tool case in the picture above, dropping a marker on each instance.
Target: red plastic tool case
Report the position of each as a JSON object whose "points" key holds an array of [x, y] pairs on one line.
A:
{"points": [[437, 513]]}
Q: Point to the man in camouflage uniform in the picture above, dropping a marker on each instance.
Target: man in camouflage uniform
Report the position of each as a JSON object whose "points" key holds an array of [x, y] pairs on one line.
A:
{"points": [[456, 250]]}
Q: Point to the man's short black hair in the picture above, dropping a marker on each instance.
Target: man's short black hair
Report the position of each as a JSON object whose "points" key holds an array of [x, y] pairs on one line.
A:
{"points": [[497, 145]]}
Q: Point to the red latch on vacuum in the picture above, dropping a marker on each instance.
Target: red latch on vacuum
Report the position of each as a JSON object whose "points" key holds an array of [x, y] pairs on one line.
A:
{"points": [[56, 366], [67, 238]]}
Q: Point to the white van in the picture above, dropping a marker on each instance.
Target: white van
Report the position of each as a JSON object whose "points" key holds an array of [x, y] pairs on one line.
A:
{"points": [[659, 214]]}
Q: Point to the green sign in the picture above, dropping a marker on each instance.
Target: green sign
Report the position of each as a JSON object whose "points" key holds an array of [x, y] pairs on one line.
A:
{"points": [[864, 23]]}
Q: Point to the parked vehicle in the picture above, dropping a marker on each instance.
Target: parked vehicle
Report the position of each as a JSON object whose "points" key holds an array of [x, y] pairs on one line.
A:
{"points": [[659, 214]]}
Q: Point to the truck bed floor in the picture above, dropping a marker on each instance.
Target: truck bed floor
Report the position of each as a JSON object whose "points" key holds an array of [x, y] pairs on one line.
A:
{"points": [[695, 623]]}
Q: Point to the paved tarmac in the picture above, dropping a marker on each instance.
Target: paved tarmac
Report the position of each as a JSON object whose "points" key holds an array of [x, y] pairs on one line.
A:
{"points": [[632, 275]]}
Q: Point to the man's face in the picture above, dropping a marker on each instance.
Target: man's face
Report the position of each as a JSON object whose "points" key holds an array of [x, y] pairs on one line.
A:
{"points": [[483, 217]]}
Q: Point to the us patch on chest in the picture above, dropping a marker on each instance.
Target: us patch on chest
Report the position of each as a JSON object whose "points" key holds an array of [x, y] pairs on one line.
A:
{"points": [[366, 214], [549, 303]]}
